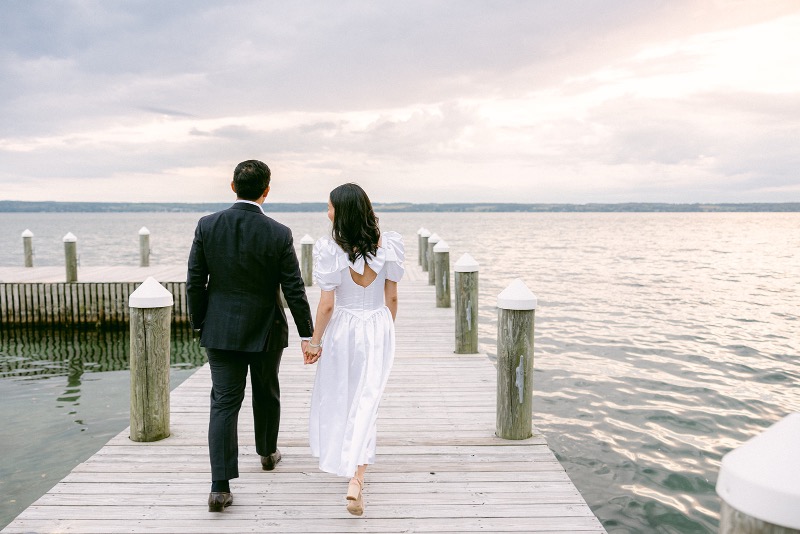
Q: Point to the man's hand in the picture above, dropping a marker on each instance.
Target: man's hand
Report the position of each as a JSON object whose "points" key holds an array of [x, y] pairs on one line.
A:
{"points": [[303, 348]]}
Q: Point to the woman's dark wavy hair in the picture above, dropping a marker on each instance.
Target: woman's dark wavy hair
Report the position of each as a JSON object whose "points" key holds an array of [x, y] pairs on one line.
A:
{"points": [[355, 226]]}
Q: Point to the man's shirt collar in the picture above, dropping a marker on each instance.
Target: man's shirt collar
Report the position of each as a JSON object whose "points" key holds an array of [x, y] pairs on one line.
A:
{"points": [[250, 202]]}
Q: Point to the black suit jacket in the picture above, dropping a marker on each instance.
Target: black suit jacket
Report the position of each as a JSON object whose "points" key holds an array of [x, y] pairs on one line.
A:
{"points": [[239, 261]]}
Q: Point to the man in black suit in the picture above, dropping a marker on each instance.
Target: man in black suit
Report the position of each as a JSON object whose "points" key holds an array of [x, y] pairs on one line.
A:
{"points": [[240, 260]]}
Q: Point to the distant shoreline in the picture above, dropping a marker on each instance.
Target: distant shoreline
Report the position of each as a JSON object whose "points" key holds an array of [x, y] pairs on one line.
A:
{"points": [[13, 206]]}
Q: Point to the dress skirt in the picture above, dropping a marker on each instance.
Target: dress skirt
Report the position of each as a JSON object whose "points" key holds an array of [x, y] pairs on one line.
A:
{"points": [[357, 356]]}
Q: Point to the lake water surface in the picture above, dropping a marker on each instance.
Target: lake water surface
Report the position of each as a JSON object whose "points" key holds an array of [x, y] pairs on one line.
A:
{"points": [[663, 340]]}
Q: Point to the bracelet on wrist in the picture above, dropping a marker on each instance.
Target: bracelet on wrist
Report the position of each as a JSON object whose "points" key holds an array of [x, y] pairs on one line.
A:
{"points": [[313, 346]]}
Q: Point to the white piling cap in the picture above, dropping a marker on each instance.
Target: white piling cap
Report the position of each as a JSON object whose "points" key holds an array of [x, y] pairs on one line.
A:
{"points": [[760, 478], [27, 233], [421, 229], [144, 231], [307, 240], [150, 294], [466, 264], [441, 246], [425, 232], [434, 238], [517, 296], [70, 238]]}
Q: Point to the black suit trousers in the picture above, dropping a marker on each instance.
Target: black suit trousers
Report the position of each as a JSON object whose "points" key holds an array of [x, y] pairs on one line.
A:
{"points": [[228, 379]]}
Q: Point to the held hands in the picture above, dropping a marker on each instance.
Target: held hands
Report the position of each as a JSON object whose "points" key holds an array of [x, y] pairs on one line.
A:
{"points": [[310, 354]]}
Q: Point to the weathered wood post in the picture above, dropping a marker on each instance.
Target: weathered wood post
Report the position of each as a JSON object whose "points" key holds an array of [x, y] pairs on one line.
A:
{"points": [[282, 299], [441, 261], [144, 247], [432, 240], [151, 311], [423, 245], [515, 317], [307, 259], [758, 482], [466, 290], [419, 244], [27, 245], [71, 256]]}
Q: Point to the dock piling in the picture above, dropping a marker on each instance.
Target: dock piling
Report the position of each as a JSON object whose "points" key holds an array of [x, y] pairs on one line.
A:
{"points": [[144, 247], [282, 299], [432, 240], [758, 482], [307, 259], [419, 245], [441, 261], [27, 245], [150, 314], [423, 246], [71, 257], [466, 291], [516, 308]]}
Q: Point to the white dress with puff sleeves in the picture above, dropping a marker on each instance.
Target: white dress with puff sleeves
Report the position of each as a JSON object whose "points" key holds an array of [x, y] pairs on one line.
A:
{"points": [[357, 355]]}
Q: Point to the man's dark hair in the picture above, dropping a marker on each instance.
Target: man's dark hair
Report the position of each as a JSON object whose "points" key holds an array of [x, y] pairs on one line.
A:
{"points": [[250, 179]]}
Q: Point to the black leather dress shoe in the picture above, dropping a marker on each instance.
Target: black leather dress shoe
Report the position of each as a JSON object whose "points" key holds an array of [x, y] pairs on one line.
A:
{"points": [[268, 463], [219, 500]]}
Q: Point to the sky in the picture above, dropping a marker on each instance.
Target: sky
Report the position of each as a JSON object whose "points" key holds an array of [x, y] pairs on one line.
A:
{"points": [[571, 101]]}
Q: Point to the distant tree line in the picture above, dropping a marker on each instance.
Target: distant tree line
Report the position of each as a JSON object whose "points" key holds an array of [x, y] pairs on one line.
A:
{"points": [[8, 206]]}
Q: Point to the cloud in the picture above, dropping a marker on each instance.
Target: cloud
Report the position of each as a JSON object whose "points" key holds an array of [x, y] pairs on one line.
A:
{"points": [[424, 101]]}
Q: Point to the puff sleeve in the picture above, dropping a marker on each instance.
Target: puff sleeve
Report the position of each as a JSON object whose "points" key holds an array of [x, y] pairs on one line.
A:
{"points": [[328, 264], [395, 255]]}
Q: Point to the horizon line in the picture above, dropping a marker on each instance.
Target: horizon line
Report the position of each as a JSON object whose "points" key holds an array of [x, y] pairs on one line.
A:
{"points": [[398, 203], [51, 206]]}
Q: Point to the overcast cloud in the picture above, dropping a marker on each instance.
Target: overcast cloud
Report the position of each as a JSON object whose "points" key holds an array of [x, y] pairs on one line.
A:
{"points": [[422, 101]]}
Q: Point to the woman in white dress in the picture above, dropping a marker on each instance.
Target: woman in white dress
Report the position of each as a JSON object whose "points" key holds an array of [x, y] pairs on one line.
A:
{"points": [[357, 271]]}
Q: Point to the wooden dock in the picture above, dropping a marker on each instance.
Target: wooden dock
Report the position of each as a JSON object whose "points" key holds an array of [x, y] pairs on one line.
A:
{"points": [[439, 466], [92, 274], [40, 296]]}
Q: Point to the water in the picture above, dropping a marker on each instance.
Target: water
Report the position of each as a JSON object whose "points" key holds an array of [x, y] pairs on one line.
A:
{"points": [[65, 394], [662, 340]]}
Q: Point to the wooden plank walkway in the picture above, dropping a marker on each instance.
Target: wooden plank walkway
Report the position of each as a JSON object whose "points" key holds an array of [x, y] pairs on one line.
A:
{"points": [[439, 466], [114, 273]]}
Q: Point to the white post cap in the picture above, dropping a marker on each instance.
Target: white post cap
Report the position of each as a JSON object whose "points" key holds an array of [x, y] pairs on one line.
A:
{"points": [[421, 229], [150, 294], [441, 246], [760, 478], [466, 264], [144, 231], [516, 296], [425, 232], [27, 233], [307, 240], [434, 238], [70, 238]]}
